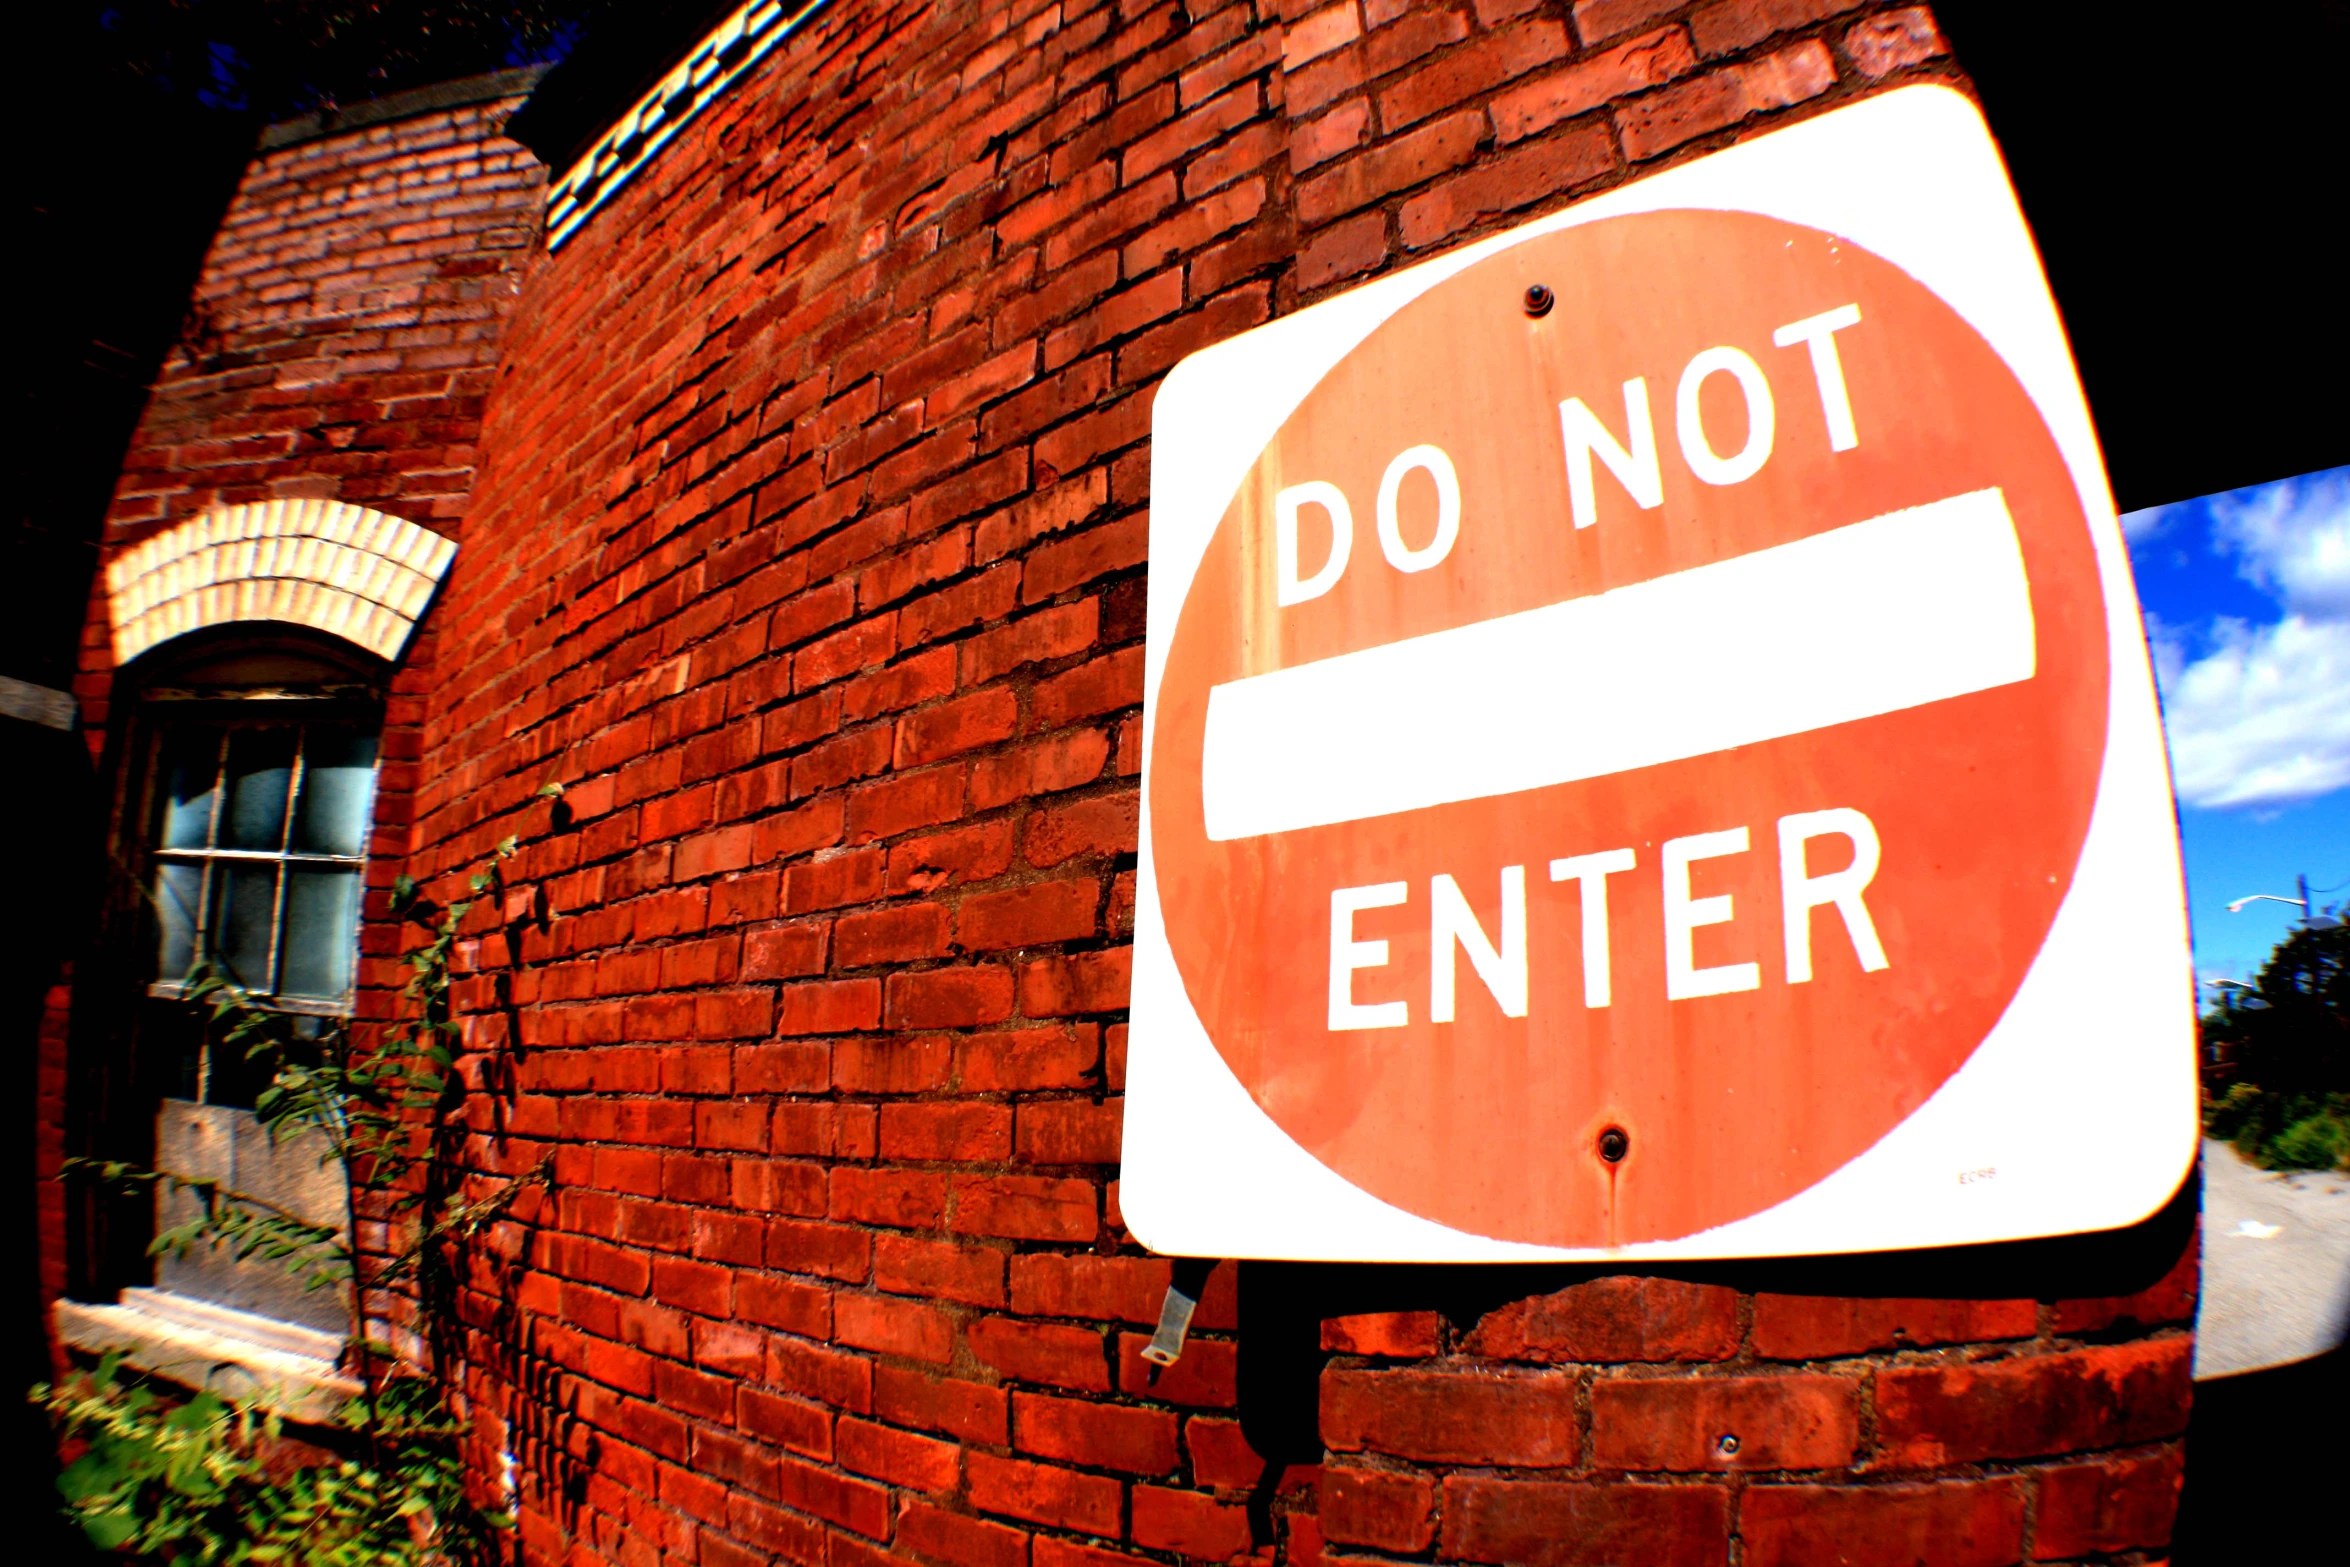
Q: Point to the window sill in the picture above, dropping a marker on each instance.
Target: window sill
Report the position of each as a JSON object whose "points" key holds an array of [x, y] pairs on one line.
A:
{"points": [[237, 1354]]}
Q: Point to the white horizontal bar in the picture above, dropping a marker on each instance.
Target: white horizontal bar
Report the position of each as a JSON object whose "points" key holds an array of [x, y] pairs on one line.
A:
{"points": [[1916, 606]]}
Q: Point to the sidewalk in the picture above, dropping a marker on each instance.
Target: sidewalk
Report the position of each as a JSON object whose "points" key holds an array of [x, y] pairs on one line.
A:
{"points": [[2276, 1264]]}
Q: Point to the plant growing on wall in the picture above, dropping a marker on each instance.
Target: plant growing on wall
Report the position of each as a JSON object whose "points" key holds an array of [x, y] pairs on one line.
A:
{"points": [[193, 1479]]}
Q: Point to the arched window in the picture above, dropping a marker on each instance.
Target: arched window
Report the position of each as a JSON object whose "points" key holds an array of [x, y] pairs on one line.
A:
{"points": [[246, 761]]}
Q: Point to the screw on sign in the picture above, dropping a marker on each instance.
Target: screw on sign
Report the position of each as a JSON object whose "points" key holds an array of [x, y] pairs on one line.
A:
{"points": [[1627, 737]]}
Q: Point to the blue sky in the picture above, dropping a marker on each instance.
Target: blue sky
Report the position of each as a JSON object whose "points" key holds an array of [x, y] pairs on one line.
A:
{"points": [[2247, 600]]}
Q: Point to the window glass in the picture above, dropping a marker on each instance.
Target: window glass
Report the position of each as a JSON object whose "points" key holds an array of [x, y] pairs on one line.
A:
{"points": [[191, 767], [263, 832], [179, 889], [322, 920], [338, 785], [260, 775]]}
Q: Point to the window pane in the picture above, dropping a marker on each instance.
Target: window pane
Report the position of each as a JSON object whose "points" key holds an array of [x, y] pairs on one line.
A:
{"points": [[322, 933], [338, 780], [191, 766], [244, 901], [260, 770], [177, 891]]}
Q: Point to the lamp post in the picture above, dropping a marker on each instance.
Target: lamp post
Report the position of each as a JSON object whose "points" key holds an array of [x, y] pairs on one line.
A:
{"points": [[2311, 917]]}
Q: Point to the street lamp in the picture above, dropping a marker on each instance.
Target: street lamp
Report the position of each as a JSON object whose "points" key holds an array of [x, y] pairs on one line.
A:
{"points": [[2311, 917]]}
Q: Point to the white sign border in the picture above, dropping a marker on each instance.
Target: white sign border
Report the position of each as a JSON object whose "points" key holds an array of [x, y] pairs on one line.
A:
{"points": [[2078, 1110]]}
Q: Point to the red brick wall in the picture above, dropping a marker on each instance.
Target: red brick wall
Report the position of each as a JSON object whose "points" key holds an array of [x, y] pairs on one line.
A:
{"points": [[807, 554], [341, 343], [342, 339]]}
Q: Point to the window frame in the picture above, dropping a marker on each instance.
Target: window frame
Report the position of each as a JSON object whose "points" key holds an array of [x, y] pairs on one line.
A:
{"points": [[211, 854]]}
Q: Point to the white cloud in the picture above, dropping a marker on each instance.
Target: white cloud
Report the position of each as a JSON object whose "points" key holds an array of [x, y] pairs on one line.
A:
{"points": [[2138, 525], [2293, 539], [2262, 719], [2260, 714]]}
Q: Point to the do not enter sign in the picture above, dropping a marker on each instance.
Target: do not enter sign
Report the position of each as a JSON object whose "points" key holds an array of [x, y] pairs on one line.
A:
{"points": [[1649, 746]]}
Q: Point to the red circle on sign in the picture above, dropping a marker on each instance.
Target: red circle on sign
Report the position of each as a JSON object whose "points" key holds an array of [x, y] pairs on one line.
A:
{"points": [[1729, 1102]]}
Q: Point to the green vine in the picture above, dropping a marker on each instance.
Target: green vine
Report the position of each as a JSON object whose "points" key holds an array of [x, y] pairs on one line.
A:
{"points": [[203, 1479]]}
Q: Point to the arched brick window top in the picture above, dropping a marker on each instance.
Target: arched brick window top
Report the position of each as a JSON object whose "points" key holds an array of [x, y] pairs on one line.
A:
{"points": [[361, 575]]}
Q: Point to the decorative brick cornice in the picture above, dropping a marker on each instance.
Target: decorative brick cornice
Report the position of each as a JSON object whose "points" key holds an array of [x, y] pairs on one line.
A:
{"points": [[362, 575], [715, 64]]}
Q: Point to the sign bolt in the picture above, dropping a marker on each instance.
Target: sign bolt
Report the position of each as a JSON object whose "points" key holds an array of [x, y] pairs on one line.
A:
{"points": [[1728, 1445], [1614, 1143], [1539, 299]]}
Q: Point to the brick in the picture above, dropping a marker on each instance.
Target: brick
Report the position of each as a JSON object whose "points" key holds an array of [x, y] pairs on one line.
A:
{"points": [[832, 1250], [1104, 1436], [1044, 512], [1087, 982], [784, 1303], [1064, 761], [1725, 1423], [1058, 1056], [827, 1007], [1398, 1335], [890, 1066], [1207, 1375], [1189, 1524], [786, 1422], [1220, 1454], [950, 997], [2120, 1504], [907, 1199], [1343, 250], [891, 1326], [1391, 1512], [1331, 135], [1105, 824], [1121, 1289], [900, 1457], [964, 1542], [903, 803], [908, 1396], [1659, 123], [1055, 568], [1448, 1417], [1051, 1552], [1049, 634], [1963, 1523], [1930, 1416], [1025, 1207], [1727, 26], [1067, 910], [1894, 41], [1815, 1327], [1319, 32], [1505, 184], [1584, 1524], [1050, 1353], [1628, 68], [968, 1133], [1390, 166], [1045, 1493], [944, 1270], [947, 859], [1070, 1132], [890, 935], [1617, 1318], [1476, 68], [934, 733], [1599, 20]]}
